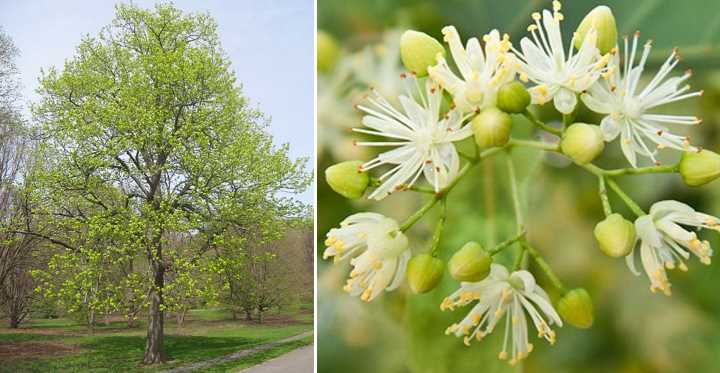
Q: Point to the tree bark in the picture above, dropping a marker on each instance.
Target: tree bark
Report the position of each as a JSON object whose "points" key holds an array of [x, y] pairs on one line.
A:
{"points": [[14, 322], [180, 317], [154, 346]]}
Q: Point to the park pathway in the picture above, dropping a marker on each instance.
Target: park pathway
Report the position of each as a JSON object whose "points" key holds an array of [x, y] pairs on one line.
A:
{"points": [[297, 361], [195, 367]]}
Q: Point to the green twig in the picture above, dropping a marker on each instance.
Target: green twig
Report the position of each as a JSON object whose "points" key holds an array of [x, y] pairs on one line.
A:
{"points": [[410, 221], [602, 192], [534, 120], [672, 168], [544, 266], [519, 258], [439, 227], [514, 191], [501, 246], [534, 144], [625, 198]]}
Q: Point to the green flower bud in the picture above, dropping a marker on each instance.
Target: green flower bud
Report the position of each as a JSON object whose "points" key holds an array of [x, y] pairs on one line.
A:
{"points": [[576, 308], [615, 235], [604, 22], [424, 272], [419, 50], [699, 168], [327, 51], [347, 179], [470, 263], [513, 98], [582, 143], [491, 128]]}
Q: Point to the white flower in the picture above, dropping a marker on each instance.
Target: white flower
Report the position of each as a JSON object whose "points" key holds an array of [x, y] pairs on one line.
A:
{"points": [[423, 139], [666, 244], [515, 294], [558, 76], [626, 106], [379, 252], [481, 74], [378, 66]]}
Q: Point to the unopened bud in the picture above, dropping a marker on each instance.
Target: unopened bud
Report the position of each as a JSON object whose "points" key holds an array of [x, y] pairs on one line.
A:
{"points": [[513, 98], [576, 308], [327, 51], [699, 168], [491, 128], [602, 19], [615, 235], [471, 263], [418, 51], [347, 179], [582, 143], [424, 272]]}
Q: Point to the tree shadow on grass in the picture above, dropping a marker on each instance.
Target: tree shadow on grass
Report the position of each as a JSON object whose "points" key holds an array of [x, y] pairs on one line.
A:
{"points": [[124, 353]]}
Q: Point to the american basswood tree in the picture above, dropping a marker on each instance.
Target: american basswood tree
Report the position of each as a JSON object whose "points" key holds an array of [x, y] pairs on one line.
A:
{"points": [[147, 136]]}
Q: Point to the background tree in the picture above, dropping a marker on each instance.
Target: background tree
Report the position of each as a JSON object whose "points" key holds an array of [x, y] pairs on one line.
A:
{"points": [[147, 125], [17, 252]]}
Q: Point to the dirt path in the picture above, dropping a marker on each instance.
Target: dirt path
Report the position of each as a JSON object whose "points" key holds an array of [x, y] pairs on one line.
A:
{"points": [[237, 355], [298, 361]]}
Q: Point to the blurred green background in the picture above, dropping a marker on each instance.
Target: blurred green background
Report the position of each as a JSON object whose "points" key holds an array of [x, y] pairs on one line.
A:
{"points": [[635, 330]]}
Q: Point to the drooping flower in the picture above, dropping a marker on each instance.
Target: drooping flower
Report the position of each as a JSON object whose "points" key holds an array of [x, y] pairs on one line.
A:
{"points": [[514, 296], [667, 244], [626, 106], [422, 139], [378, 250], [559, 76], [481, 73]]}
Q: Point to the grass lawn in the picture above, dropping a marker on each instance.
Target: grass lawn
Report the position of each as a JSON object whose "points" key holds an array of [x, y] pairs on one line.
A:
{"points": [[61, 345]]}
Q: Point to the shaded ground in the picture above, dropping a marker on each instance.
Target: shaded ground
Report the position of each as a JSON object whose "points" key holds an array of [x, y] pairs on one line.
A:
{"points": [[33, 350], [203, 365], [64, 345]]}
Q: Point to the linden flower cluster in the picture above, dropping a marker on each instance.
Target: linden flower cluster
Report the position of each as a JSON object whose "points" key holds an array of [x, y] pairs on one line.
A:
{"points": [[488, 80]]}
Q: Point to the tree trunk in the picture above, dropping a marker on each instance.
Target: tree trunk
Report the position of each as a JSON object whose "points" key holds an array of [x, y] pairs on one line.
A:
{"points": [[14, 321], [261, 316], [248, 315], [154, 346], [180, 317]]}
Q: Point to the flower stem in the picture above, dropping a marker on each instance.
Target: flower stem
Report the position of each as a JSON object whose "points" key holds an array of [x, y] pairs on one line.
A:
{"points": [[534, 144], [545, 267], [534, 120], [439, 228], [514, 191], [602, 192], [625, 198], [410, 221], [501, 246], [672, 168], [489, 201], [519, 258]]}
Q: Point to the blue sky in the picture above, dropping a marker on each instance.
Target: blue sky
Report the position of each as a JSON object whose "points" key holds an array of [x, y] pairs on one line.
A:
{"points": [[270, 44]]}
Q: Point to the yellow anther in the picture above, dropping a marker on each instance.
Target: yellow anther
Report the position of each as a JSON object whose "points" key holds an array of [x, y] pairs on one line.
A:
{"points": [[536, 16], [556, 5], [503, 355]]}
